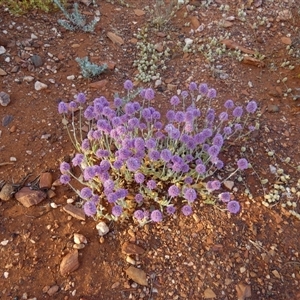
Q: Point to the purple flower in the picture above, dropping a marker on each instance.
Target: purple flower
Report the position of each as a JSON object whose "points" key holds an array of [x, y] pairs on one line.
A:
{"points": [[158, 125], [133, 164], [118, 164], [146, 113], [188, 180], [213, 151], [81, 98], [209, 186], [89, 173], [89, 208], [174, 100], [187, 210], [97, 134], [218, 140], [216, 185], [156, 115], [139, 198], [109, 185], [149, 94], [200, 169], [139, 214], [190, 194], [139, 144], [173, 191], [128, 85], [117, 210], [85, 145], [170, 115], [184, 94], [212, 93], [86, 193], [151, 184], [238, 112], [227, 130], [64, 167], [233, 207], [116, 121], [129, 108], [242, 164], [112, 198], [89, 113], [223, 116], [225, 197], [251, 128], [219, 164], [193, 86], [238, 127], [210, 117], [64, 178], [251, 107], [174, 134], [100, 153], [121, 193], [170, 210], [166, 155], [139, 178], [203, 88], [179, 116], [72, 105], [229, 104], [151, 143], [156, 216], [124, 153], [118, 102], [207, 132], [62, 108], [133, 123], [104, 165], [154, 155]]}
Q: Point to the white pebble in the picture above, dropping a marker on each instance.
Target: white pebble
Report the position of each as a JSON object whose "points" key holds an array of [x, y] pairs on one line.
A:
{"points": [[53, 205], [102, 228], [5, 274], [4, 242], [12, 158], [71, 77], [70, 200]]}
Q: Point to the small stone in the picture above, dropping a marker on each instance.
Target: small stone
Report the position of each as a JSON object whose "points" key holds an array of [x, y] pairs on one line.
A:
{"points": [[243, 291], [79, 238], [36, 60], [28, 197], [276, 274], [6, 192], [139, 12], [195, 22], [40, 86], [33, 36], [70, 200], [99, 85], [12, 129], [69, 263], [53, 290], [130, 260], [75, 212], [53, 205], [171, 87], [129, 248], [4, 99], [2, 72], [2, 50], [5, 274], [102, 228], [28, 78], [78, 246], [272, 108], [188, 41], [115, 285], [15, 69], [45, 180], [137, 275], [228, 184], [115, 38], [6, 120], [71, 77], [286, 40], [159, 47], [51, 194], [209, 293]]}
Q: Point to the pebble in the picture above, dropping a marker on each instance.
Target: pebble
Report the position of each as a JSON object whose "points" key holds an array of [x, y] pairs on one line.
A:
{"points": [[40, 86], [102, 228], [5, 274], [2, 50], [6, 192], [36, 60], [69, 263], [74, 211], [71, 77], [28, 78], [28, 197], [7, 120], [2, 72], [12, 129], [4, 99], [12, 158], [53, 290], [45, 180], [273, 108], [78, 246], [79, 238], [188, 41], [137, 275]]}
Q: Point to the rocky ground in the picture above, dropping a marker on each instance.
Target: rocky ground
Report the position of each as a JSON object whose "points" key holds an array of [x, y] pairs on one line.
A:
{"points": [[245, 50]]}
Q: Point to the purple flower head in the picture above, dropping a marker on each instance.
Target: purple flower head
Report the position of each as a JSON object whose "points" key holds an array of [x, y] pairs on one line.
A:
{"points": [[151, 143], [242, 164], [218, 140], [200, 169], [97, 134], [174, 134], [104, 165], [118, 164], [128, 143], [203, 89], [213, 151], [133, 123], [251, 128], [129, 108], [170, 209], [173, 191], [62, 108], [72, 106], [159, 135], [154, 155], [103, 176], [112, 198], [146, 113], [179, 116], [128, 85], [174, 100], [118, 102], [149, 94], [116, 121], [139, 214], [65, 178], [109, 185], [188, 127], [238, 112], [139, 198], [81, 98], [151, 184], [212, 93], [191, 144], [233, 207], [139, 144], [139, 178], [184, 94], [117, 210], [158, 125], [103, 125], [238, 127], [124, 153], [184, 138], [190, 194], [121, 193], [100, 153], [170, 115], [209, 186], [64, 167], [156, 216], [223, 116], [225, 197], [210, 117], [156, 115], [219, 164], [229, 104], [142, 93], [136, 106], [227, 130], [166, 155], [78, 159], [199, 138], [188, 158], [193, 86], [86, 193], [133, 164], [89, 113], [188, 180], [216, 185], [89, 208], [251, 107], [89, 173], [186, 210], [207, 132]]}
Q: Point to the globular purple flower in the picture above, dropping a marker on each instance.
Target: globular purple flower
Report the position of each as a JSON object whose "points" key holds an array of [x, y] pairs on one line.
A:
{"points": [[210, 117], [227, 130], [200, 169], [139, 198], [89, 113], [72, 106], [207, 132], [129, 108], [174, 134], [170, 115], [154, 155], [151, 143], [133, 164], [188, 180], [97, 134], [209, 186], [186, 210], [109, 185], [170, 209], [219, 164], [179, 116], [118, 164], [118, 102], [184, 94], [142, 126], [174, 100], [218, 140], [216, 185], [103, 125], [117, 210], [156, 216], [139, 144], [124, 153], [190, 194], [193, 86], [142, 93], [151, 184], [156, 115], [112, 198], [104, 165], [136, 106], [238, 112], [128, 85], [233, 207], [116, 121], [65, 178], [203, 88], [103, 176], [81, 98], [86, 193], [225, 197], [146, 113], [242, 164], [100, 153], [89, 208], [229, 104], [188, 158], [173, 191], [177, 167], [199, 138], [166, 155], [212, 93], [184, 138], [89, 173], [78, 159], [223, 116], [158, 125], [139, 178], [251, 107], [64, 167], [237, 127], [62, 108], [139, 214], [251, 128], [133, 123], [121, 193], [149, 94], [213, 151]]}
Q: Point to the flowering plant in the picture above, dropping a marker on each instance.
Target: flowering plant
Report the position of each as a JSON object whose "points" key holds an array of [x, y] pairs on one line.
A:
{"points": [[133, 165]]}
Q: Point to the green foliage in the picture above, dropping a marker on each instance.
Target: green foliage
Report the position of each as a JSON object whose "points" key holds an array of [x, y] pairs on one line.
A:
{"points": [[21, 7], [89, 69], [76, 21]]}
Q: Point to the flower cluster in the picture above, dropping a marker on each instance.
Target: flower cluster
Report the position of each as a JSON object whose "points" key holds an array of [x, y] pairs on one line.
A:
{"points": [[133, 164]]}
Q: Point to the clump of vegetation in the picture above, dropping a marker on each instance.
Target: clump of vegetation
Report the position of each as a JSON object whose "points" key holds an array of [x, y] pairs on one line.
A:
{"points": [[89, 69], [21, 7], [76, 21]]}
